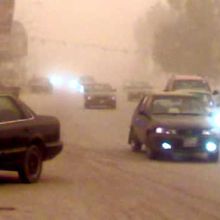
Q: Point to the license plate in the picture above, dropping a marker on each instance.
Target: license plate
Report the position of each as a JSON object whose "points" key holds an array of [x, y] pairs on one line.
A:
{"points": [[190, 142]]}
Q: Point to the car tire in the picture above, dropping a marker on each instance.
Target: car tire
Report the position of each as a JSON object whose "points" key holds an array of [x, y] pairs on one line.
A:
{"points": [[214, 157], [30, 169], [150, 153], [136, 146]]}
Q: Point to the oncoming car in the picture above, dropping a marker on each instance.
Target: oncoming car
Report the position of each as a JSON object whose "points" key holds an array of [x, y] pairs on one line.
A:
{"points": [[180, 82], [137, 89], [204, 96], [86, 81], [174, 124], [26, 139], [100, 95]]}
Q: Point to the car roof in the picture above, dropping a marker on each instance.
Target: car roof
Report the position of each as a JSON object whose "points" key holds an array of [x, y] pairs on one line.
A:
{"points": [[198, 91], [100, 84], [171, 93], [188, 77]]}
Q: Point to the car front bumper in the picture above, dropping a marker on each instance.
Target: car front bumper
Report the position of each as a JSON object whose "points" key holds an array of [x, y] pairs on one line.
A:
{"points": [[100, 103], [183, 146], [53, 149]]}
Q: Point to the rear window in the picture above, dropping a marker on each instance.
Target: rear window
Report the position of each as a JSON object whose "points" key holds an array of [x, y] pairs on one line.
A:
{"points": [[190, 84]]}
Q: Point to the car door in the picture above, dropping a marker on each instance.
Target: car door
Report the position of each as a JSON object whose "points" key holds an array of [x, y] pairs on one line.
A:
{"points": [[14, 126], [141, 120]]}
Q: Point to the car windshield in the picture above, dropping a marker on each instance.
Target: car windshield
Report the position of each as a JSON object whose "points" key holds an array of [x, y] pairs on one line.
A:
{"points": [[190, 84], [205, 98], [178, 105], [99, 87]]}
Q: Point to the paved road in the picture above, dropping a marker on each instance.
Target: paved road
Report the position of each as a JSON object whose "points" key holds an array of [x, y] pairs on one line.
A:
{"points": [[97, 176]]}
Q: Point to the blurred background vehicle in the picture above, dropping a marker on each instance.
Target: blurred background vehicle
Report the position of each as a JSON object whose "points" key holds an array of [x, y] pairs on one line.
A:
{"points": [[40, 84], [100, 95], [180, 82], [86, 81], [135, 90], [206, 97]]}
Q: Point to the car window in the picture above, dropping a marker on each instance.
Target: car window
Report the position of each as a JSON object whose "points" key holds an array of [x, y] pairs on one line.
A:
{"points": [[190, 84], [178, 105], [205, 98], [9, 111]]}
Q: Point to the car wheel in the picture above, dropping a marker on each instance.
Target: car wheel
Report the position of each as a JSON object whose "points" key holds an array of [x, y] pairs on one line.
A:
{"points": [[135, 144], [31, 167], [150, 153], [214, 157]]}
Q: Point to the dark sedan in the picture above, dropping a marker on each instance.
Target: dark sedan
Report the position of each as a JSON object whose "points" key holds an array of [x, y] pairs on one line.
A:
{"points": [[26, 139], [100, 95], [174, 124], [136, 90]]}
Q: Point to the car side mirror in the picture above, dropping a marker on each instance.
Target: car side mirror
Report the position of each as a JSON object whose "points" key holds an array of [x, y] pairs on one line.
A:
{"points": [[215, 92]]}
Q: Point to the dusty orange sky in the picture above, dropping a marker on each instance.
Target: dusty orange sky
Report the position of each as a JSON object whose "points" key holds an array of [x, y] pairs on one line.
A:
{"points": [[109, 23], [69, 36]]}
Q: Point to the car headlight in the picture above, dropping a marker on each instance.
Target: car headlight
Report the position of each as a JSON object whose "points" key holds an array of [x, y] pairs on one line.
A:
{"points": [[56, 81], [161, 130], [207, 132], [211, 146]]}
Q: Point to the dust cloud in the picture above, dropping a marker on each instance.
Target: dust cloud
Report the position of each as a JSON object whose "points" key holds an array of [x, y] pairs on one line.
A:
{"points": [[87, 37]]}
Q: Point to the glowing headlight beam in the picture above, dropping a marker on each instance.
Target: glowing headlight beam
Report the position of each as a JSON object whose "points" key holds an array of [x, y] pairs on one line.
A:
{"points": [[56, 81], [211, 146], [166, 146], [159, 130], [73, 84]]}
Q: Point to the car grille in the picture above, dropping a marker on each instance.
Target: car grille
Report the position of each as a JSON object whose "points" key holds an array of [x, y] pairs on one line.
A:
{"points": [[189, 132]]}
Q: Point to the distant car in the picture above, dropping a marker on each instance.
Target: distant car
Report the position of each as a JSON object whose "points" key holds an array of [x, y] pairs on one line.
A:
{"points": [[86, 81], [40, 84], [180, 82], [172, 124], [206, 97], [100, 95], [137, 89], [26, 139]]}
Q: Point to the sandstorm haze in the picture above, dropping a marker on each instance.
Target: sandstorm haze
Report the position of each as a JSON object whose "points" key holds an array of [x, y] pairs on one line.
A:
{"points": [[91, 37]]}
